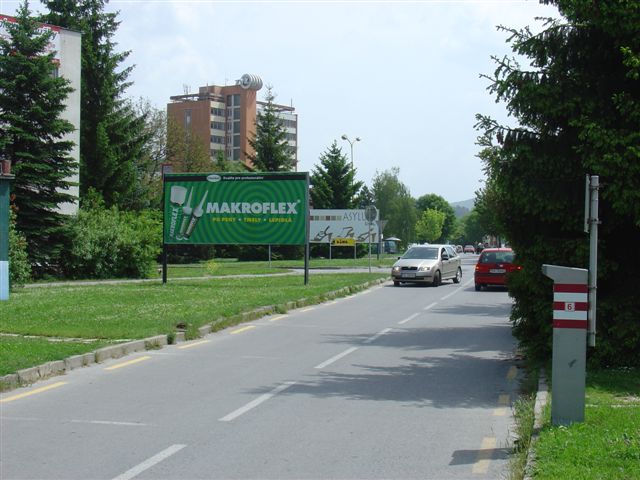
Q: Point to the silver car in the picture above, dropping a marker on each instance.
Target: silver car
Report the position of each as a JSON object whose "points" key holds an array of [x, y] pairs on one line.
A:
{"points": [[428, 264]]}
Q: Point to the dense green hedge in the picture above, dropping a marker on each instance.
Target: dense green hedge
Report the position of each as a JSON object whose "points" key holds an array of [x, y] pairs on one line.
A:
{"points": [[109, 243]]}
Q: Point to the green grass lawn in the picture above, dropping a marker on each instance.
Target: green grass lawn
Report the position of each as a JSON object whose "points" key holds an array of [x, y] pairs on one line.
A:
{"points": [[607, 444], [139, 310]]}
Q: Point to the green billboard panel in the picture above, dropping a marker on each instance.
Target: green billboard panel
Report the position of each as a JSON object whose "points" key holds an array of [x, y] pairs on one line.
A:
{"points": [[236, 208]]}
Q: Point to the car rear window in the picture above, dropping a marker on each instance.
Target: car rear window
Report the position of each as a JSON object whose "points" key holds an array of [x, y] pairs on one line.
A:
{"points": [[497, 257], [426, 253]]}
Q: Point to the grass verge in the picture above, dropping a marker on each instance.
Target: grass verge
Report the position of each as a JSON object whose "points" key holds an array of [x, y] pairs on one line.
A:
{"points": [[140, 310], [607, 444]]}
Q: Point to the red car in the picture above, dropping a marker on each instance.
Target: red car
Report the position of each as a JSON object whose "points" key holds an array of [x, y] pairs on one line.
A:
{"points": [[493, 266]]}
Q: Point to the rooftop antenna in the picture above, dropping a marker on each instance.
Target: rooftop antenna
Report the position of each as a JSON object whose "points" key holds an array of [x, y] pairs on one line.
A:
{"points": [[186, 88]]}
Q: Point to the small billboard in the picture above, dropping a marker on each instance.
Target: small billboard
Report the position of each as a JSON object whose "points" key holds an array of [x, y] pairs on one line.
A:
{"points": [[328, 224]]}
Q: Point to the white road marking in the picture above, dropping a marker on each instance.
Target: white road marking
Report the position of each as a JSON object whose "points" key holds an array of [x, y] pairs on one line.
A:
{"points": [[377, 335], [408, 319], [117, 424], [147, 464], [253, 404], [428, 307], [452, 293], [336, 358]]}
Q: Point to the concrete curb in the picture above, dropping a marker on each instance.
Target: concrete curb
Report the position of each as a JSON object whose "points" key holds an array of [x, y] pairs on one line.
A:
{"points": [[540, 404], [31, 375]]}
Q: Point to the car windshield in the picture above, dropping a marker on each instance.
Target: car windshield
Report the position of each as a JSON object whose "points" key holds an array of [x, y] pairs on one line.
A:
{"points": [[497, 257], [424, 253]]}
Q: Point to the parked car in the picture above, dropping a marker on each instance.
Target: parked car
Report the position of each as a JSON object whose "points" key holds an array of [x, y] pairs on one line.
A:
{"points": [[494, 264], [469, 249], [459, 249], [428, 264]]}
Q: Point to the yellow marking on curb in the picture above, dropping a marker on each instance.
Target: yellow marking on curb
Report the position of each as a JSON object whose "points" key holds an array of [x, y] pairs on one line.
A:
{"points": [[243, 329], [512, 373], [308, 309], [278, 317], [500, 412], [504, 399], [32, 392], [130, 362], [485, 453], [193, 344]]}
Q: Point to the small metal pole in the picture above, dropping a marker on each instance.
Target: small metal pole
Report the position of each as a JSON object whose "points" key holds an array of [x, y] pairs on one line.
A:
{"points": [[164, 263], [593, 257], [369, 247]]}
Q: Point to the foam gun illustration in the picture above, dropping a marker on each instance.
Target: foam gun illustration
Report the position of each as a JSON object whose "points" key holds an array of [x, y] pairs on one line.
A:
{"points": [[177, 197], [195, 216]]}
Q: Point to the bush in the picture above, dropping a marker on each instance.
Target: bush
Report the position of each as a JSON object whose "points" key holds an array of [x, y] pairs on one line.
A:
{"points": [[19, 267], [109, 243]]}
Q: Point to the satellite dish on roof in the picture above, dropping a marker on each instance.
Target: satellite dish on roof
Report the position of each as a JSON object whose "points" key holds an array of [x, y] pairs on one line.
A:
{"points": [[248, 81]]}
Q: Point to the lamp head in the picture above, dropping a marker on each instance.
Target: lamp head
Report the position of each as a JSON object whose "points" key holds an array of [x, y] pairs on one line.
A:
{"points": [[344, 137], [357, 139]]}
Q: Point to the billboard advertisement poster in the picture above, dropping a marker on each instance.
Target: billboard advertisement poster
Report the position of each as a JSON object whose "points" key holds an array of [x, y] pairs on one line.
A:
{"points": [[236, 208], [326, 225]]}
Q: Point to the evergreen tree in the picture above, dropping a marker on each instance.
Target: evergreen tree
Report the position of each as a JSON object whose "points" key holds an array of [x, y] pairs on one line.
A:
{"points": [[578, 109], [112, 136], [272, 152], [333, 181], [32, 99]]}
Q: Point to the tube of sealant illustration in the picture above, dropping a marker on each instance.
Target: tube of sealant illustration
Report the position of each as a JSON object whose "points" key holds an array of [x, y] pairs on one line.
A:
{"points": [[195, 216], [177, 197], [186, 214]]}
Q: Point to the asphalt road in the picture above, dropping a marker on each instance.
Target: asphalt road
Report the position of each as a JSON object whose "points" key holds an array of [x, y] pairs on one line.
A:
{"points": [[395, 383]]}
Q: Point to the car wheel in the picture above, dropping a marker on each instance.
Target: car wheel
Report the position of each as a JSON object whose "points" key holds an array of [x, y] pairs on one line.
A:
{"points": [[478, 287], [396, 284], [458, 276], [437, 279]]}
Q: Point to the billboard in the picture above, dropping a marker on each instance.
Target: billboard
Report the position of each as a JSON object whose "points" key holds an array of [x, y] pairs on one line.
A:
{"points": [[236, 208], [328, 225]]}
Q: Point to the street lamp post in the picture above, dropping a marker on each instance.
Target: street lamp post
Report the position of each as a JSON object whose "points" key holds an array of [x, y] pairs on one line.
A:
{"points": [[351, 142]]}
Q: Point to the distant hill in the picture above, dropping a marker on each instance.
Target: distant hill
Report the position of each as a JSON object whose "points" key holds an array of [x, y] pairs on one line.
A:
{"points": [[462, 208]]}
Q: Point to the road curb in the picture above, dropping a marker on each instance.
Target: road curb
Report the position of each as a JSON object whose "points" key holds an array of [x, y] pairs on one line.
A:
{"points": [[31, 375], [538, 410]]}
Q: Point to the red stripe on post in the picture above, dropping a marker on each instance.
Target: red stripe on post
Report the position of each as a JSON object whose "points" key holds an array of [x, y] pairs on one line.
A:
{"points": [[570, 288], [578, 324], [577, 306]]}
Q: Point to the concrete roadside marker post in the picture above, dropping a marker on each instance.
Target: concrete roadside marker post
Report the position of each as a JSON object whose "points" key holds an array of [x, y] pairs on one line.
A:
{"points": [[570, 307]]}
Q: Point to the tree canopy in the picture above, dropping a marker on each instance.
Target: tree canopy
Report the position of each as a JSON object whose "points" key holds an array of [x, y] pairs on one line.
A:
{"points": [[578, 109]]}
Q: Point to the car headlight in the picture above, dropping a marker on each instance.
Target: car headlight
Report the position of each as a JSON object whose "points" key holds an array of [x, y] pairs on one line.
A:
{"points": [[424, 269], [395, 269]]}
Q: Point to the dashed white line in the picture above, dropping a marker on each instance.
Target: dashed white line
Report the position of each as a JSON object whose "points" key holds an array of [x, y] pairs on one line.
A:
{"points": [[147, 464], [429, 307], [336, 358], [253, 404], [408, 319], [377, 335], [452, 293]]}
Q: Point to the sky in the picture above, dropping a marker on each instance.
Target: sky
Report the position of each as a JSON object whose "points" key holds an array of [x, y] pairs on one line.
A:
{"points": [[403, 76]]}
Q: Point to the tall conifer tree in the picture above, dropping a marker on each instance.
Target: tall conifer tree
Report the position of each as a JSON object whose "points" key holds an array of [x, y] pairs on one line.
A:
{"points": [[32, 98], [272, 152], [333, 181], [112, 136]]}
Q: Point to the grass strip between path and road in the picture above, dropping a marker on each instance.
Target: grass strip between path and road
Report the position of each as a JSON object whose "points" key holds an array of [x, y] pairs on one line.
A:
{"points": [[108, 313], [607, 444]]}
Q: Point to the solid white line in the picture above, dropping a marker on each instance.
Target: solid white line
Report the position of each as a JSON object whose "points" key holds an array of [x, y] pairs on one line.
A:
{"points": [[104, 422], [377, 335], [147, 464], [402, 322], [253, 404], [337, 357], [428, 307], [451, 294]]}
